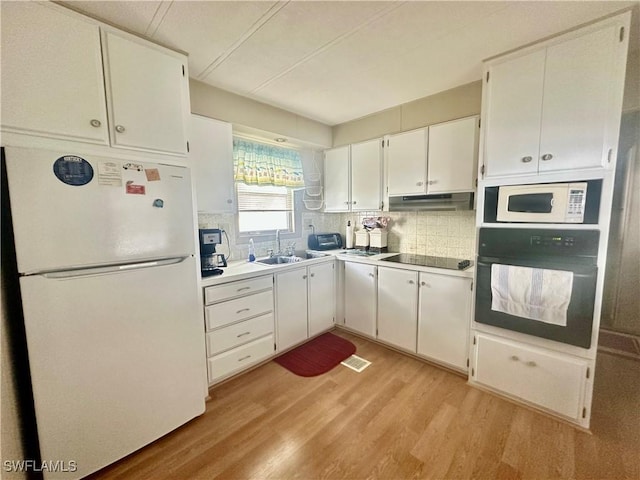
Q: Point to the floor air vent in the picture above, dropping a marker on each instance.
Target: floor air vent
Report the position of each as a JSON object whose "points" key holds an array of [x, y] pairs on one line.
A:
{"points": [[356, 363]]}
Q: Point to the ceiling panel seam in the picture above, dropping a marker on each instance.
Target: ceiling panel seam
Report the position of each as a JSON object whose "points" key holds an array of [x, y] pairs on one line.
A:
{"points": [[328, 45], [158, 18], [275, 8]]}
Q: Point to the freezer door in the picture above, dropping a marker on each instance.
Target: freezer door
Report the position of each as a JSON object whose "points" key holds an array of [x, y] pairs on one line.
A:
{"points": [[82, 210], [117, 360]]}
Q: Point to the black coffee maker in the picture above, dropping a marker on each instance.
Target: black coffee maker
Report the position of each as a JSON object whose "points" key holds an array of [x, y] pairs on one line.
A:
{"points": [[210, 261]]}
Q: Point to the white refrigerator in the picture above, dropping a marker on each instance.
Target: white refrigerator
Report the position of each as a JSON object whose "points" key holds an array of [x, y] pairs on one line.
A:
{"points": [[108, 279]]}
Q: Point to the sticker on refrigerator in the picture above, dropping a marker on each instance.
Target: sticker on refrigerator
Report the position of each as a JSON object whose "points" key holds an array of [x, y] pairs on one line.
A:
{"points": [[109, 174], [153, 174], [73, 170], [133, 189]]}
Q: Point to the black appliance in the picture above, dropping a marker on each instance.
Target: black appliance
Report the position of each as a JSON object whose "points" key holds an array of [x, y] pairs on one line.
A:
{"points": [[210, 261], [569, 250], [429, 261], [325, 241]]}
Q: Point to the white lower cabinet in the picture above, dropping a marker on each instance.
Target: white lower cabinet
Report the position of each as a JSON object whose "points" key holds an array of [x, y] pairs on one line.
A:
{"points": [[239, 324], [398, 307], [551, 380], [444, 318], [360, 298], [305, 303]]}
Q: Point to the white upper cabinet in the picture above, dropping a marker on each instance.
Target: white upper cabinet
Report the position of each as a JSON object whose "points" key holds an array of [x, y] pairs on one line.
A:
{"points": [[336, 179], [556, 107], [353, 177], [147, 101], [211, 160], [407, 163], [452, 161], [366, 175], [52, 81], [62, 72]]}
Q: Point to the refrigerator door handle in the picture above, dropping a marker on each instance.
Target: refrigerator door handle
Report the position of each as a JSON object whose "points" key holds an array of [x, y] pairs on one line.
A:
{"points": [[114, 268]]}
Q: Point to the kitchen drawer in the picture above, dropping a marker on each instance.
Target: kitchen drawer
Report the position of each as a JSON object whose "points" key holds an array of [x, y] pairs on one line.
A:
{"points": [[239, 358], [232, 311], [541, 377], [233, 335], [227, 291]]}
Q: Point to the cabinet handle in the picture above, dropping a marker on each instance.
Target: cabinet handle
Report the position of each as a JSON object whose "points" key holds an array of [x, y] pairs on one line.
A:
{"points": [[547, 156], [244, 358], [371, 275], [354, 202], [419, 184], [243, 288], [229, 201], [243, 334], [346, 203], [526, 159], [432, 182], [411, 282], [530, 364], [304, 277], [119, 129], [243, 310], [95, 123], [425, 284], [515, 358], [313, 274]]}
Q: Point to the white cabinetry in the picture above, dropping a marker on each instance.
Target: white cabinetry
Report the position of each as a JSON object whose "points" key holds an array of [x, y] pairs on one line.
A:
{"points": [[543, 378], [407, 163], [360, 297], [305, 303], [398, 307], [147, 94], [556, 107], [53, 84], [211, 160], [239, 325], [353, 177], [444, 318], [452, 161]]}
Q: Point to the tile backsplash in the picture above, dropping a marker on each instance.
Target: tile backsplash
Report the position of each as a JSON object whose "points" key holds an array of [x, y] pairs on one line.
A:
{"points": [[444, 234]]}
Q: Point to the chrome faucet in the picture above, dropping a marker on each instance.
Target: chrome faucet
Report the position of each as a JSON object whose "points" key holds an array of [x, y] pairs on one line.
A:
{"points": [[278, 251]]}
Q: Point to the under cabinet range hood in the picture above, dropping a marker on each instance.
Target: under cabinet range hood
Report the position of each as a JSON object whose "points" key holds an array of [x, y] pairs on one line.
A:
{"points": [[446, 201]]}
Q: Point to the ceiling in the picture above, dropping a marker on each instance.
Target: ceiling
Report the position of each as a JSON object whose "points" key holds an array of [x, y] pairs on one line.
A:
{"points": [[335, 61]]}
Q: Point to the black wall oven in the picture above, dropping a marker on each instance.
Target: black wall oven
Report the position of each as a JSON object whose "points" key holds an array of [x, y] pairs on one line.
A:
{"points": [[561, 250]]}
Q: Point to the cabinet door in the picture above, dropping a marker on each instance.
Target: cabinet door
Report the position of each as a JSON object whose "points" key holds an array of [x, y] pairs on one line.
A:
{"points": [[366, 175], [148, 96], [291, 307], [538, 376], [452, 162], [444, 318], [407, 162], [336, 180], [360, 297], [322, 297], [513, 113], [398, 307], [577, 96], [52, 81], [211, 161]]}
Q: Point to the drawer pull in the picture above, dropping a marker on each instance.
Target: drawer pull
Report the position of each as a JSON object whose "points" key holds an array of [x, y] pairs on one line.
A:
{"points": [[243, 334], [242, 310], [530, 364], [515, 358], [243, 288], [244, 358]]}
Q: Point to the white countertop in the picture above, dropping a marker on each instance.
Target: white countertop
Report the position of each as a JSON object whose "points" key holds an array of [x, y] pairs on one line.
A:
{"points": [[243, 269]]}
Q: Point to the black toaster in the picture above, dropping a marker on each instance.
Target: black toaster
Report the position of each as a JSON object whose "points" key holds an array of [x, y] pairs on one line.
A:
{"points": [[325, 241]]}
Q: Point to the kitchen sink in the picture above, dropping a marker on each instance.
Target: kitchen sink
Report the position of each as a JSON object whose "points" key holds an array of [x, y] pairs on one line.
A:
{"points": [[297, 256]]}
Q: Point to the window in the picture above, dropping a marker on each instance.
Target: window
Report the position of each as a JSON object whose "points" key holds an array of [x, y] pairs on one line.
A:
{"points": [[265, 178]]}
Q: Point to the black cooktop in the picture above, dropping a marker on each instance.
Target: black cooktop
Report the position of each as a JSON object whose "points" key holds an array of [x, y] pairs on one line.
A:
{"points": [[429, 261]]}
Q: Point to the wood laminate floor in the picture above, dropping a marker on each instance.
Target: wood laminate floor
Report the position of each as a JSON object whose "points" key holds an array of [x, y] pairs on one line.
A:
{"points": [[400, 418]]}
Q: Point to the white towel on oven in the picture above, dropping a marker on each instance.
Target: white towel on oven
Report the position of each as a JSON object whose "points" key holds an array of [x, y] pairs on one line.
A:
{"points": [[533, 293]]}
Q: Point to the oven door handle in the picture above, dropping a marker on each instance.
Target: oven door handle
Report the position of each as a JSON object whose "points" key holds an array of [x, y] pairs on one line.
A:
{"points": [[592, 273]]}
